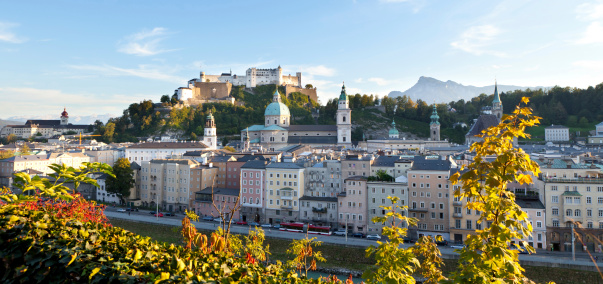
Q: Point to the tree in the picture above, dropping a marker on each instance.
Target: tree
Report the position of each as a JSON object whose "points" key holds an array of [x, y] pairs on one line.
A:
{"points": [[108, 132], [194, 136], [309, 86], [305, 256], [6, 154], [224, 141], [230, 149], [487, 257], [25, 150], [165, 99], [11, 138], [123, 181]]}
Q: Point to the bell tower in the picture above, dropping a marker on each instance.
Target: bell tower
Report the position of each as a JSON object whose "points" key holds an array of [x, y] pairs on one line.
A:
{"points": [[210, 137], [344, 120], [434, 125]]}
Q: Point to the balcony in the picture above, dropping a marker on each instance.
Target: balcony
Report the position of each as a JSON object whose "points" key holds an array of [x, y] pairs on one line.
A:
{"points": [[457, 203], [319, 210], [573, 180], [457, 215], [284, 197], [286, 207], [418, 209]]}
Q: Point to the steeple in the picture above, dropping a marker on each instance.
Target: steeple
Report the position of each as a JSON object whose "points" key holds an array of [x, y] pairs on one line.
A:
{"points": [[497, 107], [434, 125], [434, 116], [343, 96], [277, 96]]}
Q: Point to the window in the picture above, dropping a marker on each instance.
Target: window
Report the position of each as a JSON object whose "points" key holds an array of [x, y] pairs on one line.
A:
{"points": [[554, 188], [568, 212], [555, 199], [577, 213], [589, 213], [538, 214], [469, 224], [555, 223], [538, 224], [457, 224], [588, 200]]}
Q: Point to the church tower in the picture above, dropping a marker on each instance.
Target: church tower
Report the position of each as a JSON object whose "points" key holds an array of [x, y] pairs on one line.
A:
{"points": [[64, 117], [209, 132], [344, 120], [434, 125], [497, 107], [393, 132]]}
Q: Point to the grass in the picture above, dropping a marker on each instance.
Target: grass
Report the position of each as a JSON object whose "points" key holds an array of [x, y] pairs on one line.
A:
{"points": [[354, 257]]}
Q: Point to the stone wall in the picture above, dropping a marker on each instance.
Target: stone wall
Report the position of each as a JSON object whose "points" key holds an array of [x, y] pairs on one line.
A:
{"points": [[311, 93]]}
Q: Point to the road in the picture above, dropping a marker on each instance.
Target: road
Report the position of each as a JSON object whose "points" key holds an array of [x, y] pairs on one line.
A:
{"points": [[144, 216]]}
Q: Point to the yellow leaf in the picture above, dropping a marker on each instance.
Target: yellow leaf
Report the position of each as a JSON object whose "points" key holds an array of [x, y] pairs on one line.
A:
{"points": [[94, 271], [137, 255], [73, 257]]}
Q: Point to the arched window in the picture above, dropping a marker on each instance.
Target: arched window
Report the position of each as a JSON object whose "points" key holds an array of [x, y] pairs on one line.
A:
{"points": [[244, 199], [257, 201], [568, 212], [275, 121], [577, 213]]}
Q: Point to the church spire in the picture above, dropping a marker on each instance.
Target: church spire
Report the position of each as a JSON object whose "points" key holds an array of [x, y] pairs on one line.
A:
{"points": [[434, 115], [277, 96], [496, 96]]}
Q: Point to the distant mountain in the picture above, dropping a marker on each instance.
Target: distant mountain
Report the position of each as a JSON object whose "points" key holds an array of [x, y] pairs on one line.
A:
{"points": [[10, 122], [429, 90], [73, 119]]}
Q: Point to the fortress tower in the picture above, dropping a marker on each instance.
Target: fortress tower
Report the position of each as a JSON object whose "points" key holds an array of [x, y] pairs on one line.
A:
{"points": [[344, 120]]}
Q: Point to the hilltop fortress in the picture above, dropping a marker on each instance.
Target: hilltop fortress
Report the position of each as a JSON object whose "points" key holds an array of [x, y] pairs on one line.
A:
{"points": [[216, 88]]}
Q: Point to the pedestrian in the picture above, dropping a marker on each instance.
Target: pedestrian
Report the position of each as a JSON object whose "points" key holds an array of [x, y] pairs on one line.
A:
{"points": [[596, 258], [129, 213]]}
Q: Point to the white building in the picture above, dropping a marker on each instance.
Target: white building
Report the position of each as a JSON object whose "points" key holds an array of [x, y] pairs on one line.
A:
{"points": [[161, 150], [210, 137], [167, 181], [556, 133], [253, 77], [44, 128]]}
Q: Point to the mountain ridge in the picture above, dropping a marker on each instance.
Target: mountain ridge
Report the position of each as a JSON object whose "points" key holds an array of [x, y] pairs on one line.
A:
{"points": [[430, 90]]}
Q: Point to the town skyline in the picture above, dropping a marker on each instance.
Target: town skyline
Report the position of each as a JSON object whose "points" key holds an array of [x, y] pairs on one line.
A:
{"points": [[100, 62]]}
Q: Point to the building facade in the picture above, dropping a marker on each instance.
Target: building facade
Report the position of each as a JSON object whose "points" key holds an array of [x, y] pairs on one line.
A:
{"points": [[353, 207], [284, 187]]}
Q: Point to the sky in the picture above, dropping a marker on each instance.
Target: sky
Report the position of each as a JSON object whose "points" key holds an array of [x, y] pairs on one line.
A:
{"points": [[98, 57]]}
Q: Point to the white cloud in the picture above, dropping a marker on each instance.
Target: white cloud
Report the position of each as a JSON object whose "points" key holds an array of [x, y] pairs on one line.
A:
{"points": [[143, 71], [144, 43], [590, 11], [35, 102], [7, 35], [593, 34], [359, 80], [477, 40], [380, 81], [319, 70]]}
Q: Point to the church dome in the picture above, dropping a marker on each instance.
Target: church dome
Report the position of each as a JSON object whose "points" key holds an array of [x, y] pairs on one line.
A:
{"points": [[64, 113], [343, 96], [277, 107]]}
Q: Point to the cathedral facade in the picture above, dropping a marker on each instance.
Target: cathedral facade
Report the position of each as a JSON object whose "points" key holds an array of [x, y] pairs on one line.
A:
{"points": [[277, 131]]}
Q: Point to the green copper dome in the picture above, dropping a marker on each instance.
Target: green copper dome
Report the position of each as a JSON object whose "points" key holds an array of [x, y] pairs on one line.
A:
{"points": [[434, 116], [277, 107], [343, 96], [393, 130]]}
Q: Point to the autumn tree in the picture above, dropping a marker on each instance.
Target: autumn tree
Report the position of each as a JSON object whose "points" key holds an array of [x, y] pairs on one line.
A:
{"points": [[25, 150], [123, 181], [6, 154], [487, 257]]}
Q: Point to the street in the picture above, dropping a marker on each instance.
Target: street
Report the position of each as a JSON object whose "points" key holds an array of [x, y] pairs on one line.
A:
{"points": [[545, 257]]}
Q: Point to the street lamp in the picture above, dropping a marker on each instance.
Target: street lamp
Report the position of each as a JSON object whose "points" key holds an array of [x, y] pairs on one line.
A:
{"points": [[157, 204]]}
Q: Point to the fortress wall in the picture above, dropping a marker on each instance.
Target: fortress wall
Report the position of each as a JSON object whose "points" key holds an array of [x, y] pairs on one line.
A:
{"points": [[204, 91], [311, 93]]}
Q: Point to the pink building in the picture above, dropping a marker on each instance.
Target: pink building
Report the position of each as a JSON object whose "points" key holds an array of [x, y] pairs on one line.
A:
{"points": [[253, 179], [353, 205], [225, 199]]}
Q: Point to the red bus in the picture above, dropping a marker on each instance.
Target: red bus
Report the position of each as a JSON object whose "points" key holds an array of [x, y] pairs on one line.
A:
{"points": [[292, 227], [321, 230]]}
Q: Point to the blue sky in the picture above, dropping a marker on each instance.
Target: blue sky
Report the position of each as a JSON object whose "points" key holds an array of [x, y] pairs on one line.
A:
{"points": [[97, 57]]}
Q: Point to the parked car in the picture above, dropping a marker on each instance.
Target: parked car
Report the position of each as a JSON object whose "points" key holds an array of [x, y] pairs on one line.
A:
{"points": [[277, 226], [375, 237], [266, 225], [121, 210], [442, 242], [241, 223], [254, 224], [458, 246], [153, 212], [219, 219], [339, 232], [169, 214], [207, 218], [521, 249], [357, 235], [132, 209], [160, 214]]}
